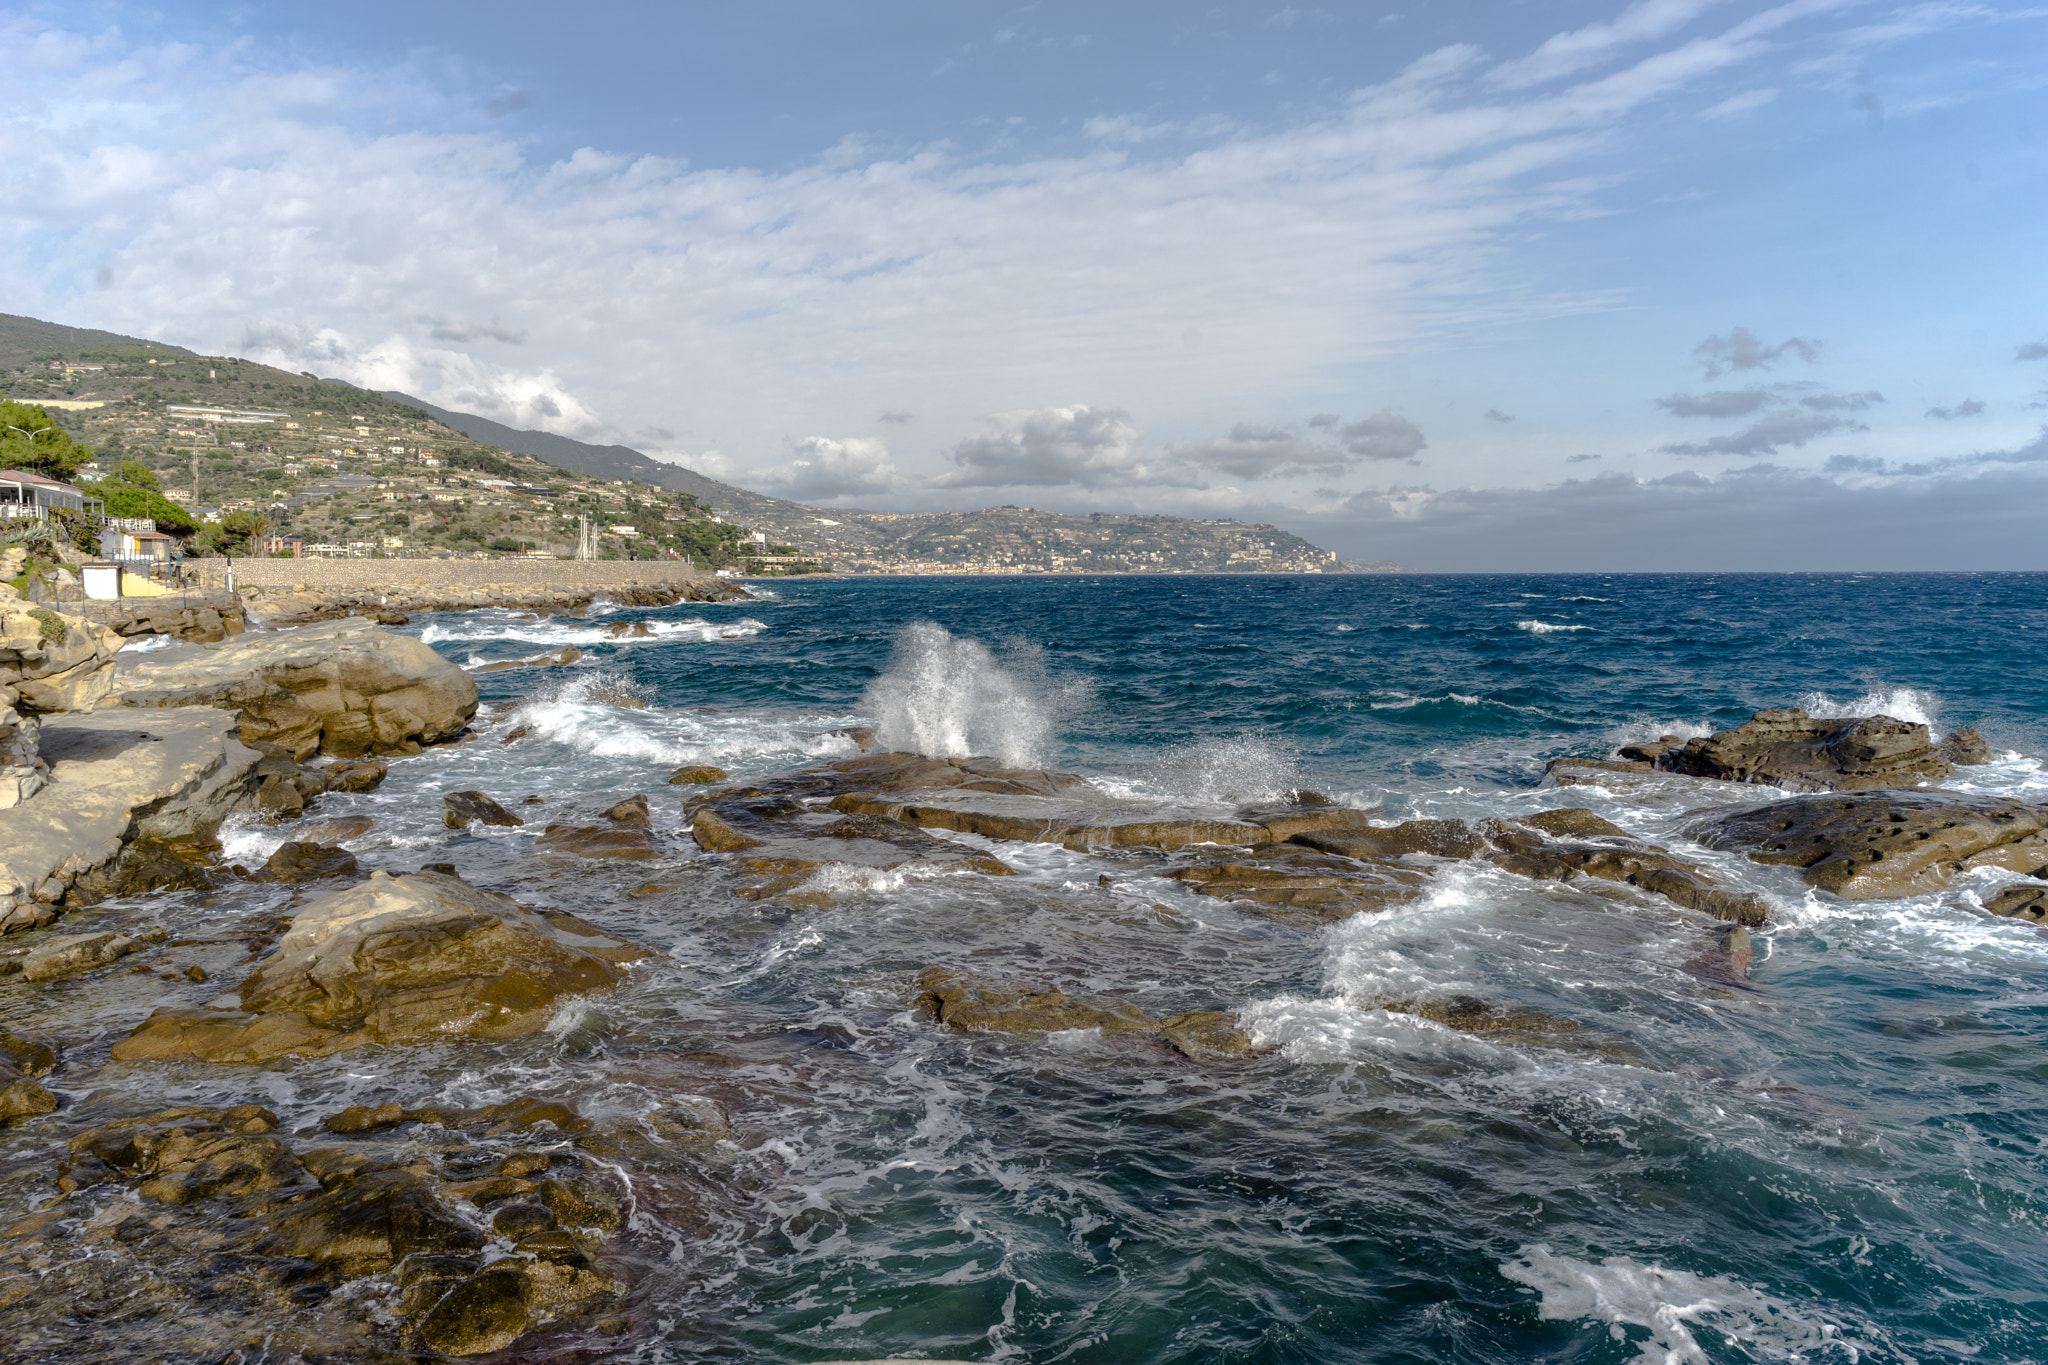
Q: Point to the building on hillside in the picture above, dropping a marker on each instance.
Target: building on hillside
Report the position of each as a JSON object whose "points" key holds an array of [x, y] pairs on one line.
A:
{"points": [[134, 542], [30, 497]]}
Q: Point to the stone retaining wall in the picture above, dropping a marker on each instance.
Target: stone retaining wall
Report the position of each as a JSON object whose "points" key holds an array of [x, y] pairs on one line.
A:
{"points": [[430, 575]]}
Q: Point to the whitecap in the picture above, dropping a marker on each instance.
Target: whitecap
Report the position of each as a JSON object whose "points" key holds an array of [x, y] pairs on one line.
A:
{"points": [[1670, 1305], [1545, 627], [1347, 628], [555, 633]]}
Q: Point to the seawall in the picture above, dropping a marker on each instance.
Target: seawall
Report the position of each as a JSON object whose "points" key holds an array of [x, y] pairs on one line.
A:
{"points": [[295, 590]]}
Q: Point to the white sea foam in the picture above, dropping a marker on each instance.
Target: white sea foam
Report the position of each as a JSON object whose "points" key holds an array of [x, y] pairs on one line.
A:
{"points": [[1586, 599], [558, 633], [147, 644], [572, 714], [946, 697], [1900, 703], [1545, 627], [1671, 1305], [1346, 628]]}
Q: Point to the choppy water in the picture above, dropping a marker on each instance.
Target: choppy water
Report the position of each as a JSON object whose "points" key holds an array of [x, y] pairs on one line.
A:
{"points": [[1842, 1161]]}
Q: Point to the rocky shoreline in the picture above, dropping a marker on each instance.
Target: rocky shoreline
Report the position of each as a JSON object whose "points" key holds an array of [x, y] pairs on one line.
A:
{"points": [[122, 770]]}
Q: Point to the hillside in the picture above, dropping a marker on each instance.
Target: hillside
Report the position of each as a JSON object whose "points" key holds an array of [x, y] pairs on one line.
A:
{"points": [[388, 473]]}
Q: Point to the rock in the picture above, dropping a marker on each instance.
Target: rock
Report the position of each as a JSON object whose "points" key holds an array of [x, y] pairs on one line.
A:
{"points": [[1788, 748], [52, 662], [335, 829], [355, 774], [70, 954], [494, 1120], [460, 810], [1965, 748], [623, 834], [970, 1003], [697, 774], [1740, 950], [1649, 751], [1305, 884], [343, 688], [1511, 1024], [569, 655], [1561, 845], [484, 1313], [125, 791], [1878, 846], [21, 1061], [306, 862], [610, 694], [1435, 838], [395, 960], [627, 630], [2029, 902]]}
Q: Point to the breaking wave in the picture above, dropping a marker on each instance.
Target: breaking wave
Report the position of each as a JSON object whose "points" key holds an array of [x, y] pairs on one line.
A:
{"points": [[586, 633], [945, 697], [1545, 627]]}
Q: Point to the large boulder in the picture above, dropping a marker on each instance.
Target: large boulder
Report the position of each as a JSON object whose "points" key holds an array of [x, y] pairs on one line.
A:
{"points": [[342, 688], [128, 793], [395, 960], [1882, 845], [49, 664], [1788, 748]]}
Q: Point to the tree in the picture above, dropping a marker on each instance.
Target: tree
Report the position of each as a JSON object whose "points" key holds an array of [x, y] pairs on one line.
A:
{"points": [[139, 474], [30, 440], [133, 491]]}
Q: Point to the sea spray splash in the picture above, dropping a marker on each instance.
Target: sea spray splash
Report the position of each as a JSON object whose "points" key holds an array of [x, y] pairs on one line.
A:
{"points": [[946, 697], [1229, 771]]}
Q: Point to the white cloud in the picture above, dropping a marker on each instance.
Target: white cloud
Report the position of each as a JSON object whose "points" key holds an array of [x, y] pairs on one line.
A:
{"points": [[1077, 446], [1572, 52], [826, 470]]}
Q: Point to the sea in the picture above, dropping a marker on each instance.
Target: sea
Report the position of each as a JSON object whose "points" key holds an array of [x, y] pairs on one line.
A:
{"points": [[1839, 1159]]}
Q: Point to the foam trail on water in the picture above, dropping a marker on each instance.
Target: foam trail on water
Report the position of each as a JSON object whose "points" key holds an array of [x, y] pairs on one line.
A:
{"points": [[1670, 1305], [945, 697]]}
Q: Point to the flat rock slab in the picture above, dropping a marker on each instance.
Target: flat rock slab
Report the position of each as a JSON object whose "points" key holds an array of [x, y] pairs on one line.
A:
{"points": [[394, 960], [119, 780], [342, 688], [69, 954], [976, 1005], [1788, 748], [1883, 845], [1305, 885]]}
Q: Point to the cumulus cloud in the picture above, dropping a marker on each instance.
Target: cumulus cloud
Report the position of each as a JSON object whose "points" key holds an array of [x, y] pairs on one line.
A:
{"points": [[1969, 407], [825, 469], [1386, 435], [1079, 446], [1726, 403], [533, 400], [1785, 427], [1496, 415], [460, 331], [1741, 350]]}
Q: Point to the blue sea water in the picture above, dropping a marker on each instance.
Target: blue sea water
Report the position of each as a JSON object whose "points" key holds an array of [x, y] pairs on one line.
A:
{"points": [[1840, 1159]]}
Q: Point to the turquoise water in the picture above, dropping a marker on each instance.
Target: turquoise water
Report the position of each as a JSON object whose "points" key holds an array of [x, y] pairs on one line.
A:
{"points": [[1839, 1160]]}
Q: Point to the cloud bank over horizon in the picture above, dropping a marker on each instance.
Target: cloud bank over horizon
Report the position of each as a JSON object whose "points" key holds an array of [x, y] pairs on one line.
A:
{"points": [[1261, 309]]}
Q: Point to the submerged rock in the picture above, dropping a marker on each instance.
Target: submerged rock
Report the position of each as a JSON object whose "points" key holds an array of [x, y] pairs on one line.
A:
{"points": [[1560, 845], [460, 810], [21, 1061], [470, 1265], [70, 954], [569, 655], [1512, 1024], [964, 1001], [1882, 845], [1305, 883], [1788, 748], [621, 833], [342, 688], [395, 960]]}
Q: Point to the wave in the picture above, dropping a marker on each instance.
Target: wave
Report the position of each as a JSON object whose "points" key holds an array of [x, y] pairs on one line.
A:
{"points": [[147, 644], [1909, 704], [575, 715], [1545, 627], [945, 697], [1669, 1305], [555, 633], [1585, 599]]}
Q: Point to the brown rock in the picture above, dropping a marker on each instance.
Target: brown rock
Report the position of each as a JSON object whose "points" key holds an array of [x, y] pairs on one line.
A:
{"points": [[482, 1314], [1877, 846], [1965, 748], [355, 774], [1304, 884], [1562, 845], [621, 834], [335, 829], [975, 1005], [460, 810], [1788, 748], [2021, 902], [306, 862], [698, 774], [69, 954]]}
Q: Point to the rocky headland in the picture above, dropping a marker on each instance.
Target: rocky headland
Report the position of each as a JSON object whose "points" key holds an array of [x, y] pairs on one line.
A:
{"points": [[419, 1225]]}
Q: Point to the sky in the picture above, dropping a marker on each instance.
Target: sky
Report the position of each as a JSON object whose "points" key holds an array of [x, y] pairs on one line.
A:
{"points": [[1550, 285]]}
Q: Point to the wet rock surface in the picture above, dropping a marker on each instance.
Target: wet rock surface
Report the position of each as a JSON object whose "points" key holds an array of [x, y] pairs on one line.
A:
{"points": [[1788, 748], [351, 1250], [2025, 901], [621, 833], [975, 1004], [395, 960], [460, 810], [22, 1060], [1879, 846], [343, 688]]}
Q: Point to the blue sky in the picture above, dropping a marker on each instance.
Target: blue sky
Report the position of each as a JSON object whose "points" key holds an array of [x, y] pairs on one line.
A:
{"points": [[1672, 284]]}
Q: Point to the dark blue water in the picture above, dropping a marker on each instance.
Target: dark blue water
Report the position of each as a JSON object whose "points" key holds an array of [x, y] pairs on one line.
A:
{"points": [[1840, 1160]]}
